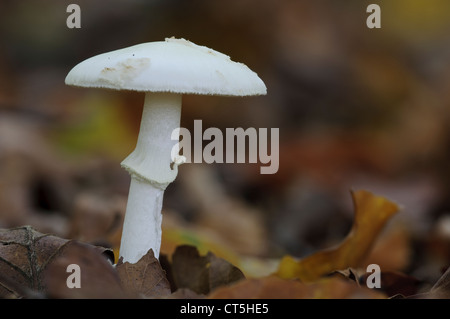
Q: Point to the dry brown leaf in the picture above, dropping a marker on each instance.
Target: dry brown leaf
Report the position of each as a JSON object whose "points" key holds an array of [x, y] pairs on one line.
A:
{"points": [[25, 255], [145, 278], [201, 274], [273, 287], [98, 279], [371, 214]]}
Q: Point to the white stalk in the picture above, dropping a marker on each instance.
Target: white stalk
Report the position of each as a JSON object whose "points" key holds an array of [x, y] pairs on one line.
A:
{"points": [[143, 219], [151, 172]]}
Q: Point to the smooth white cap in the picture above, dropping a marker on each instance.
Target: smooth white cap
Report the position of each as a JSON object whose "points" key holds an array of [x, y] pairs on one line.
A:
{"points": [[173, 65]]}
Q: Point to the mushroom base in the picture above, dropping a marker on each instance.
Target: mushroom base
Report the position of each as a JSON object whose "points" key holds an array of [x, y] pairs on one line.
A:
{"points": [[142, 225]]}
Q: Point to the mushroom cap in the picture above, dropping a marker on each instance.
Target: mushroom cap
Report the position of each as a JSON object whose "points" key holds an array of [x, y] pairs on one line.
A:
{"points": [[173, 65]]}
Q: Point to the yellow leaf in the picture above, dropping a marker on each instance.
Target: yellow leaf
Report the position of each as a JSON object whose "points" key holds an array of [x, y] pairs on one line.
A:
{"points": [[371, 214]]}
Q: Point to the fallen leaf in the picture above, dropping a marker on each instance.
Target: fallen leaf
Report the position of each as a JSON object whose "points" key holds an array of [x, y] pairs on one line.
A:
{"points": [[201, 274], [145, 278], [98, 278], [371, 214], [25, 255], [273, 287]]}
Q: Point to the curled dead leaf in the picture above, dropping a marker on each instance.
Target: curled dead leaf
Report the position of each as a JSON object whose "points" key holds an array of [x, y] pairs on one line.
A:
{"points": [[371, 214]]}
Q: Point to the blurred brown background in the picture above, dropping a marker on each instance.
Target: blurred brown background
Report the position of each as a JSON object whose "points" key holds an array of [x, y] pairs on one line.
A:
{"points": [[356, 108]]}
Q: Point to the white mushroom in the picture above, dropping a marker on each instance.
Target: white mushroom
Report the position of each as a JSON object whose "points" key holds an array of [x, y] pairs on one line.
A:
{"points": [[163, 70]]}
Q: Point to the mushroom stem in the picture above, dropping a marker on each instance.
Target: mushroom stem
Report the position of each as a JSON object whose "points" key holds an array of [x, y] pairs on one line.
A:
{"points": [[150, 168], [142, 225]]}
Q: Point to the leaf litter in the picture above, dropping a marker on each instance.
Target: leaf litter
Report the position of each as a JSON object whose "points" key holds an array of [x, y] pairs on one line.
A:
{"points": [[34, 265]]}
